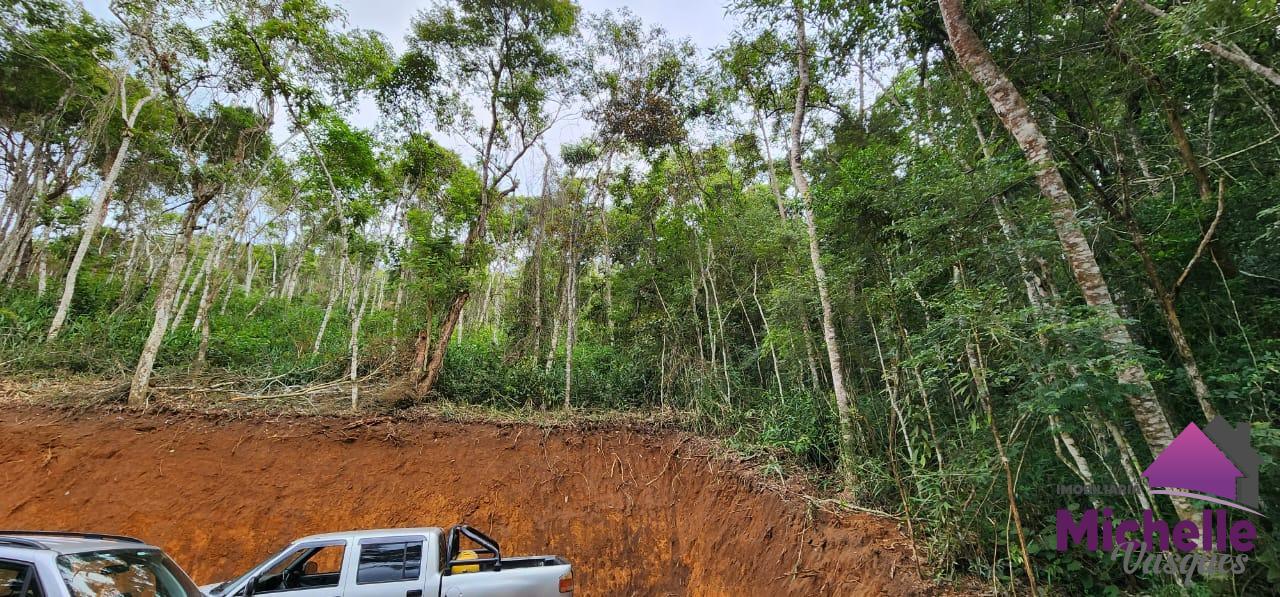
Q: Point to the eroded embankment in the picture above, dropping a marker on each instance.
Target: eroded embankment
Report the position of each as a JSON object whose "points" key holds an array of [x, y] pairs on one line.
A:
{"points": [[637, 513]]}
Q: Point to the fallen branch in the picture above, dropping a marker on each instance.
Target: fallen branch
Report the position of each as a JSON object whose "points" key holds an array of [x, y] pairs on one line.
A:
{"points": [[313, 389]]}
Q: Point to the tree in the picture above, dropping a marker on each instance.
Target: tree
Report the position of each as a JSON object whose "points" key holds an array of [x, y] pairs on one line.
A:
{"points": [[801, 182], [219, 143], [1231, 52], [53, 88], [1018, 120], [502, 55], [214, 145], [129, 117]]}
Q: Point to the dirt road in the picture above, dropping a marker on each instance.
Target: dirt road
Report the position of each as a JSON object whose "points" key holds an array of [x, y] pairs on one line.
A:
{"points": [[637, 513]]}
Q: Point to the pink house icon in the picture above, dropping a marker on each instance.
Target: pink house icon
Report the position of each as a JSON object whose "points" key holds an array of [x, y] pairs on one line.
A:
{"points": [[1192, 462]]}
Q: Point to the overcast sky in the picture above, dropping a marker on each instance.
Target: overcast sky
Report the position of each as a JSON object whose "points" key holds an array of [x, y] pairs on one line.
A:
{"points": [[704, 22]]}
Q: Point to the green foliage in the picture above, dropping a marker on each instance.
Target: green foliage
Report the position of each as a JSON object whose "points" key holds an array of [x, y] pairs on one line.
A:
{"points": [[51, 57], [501, 51], [670, 238]]}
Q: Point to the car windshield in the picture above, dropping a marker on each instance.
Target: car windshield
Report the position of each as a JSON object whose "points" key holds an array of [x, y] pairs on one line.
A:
{"points": [[124, 573]]}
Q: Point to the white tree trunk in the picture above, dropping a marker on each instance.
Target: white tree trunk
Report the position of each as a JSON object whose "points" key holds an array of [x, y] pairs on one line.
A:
{"points": [[99, 208], [200, 276], [139, 388], [131, 264], [334, 293], [42, 279], [250, 268], [801, 182], [571, 332], [395, 307], [354, 343], [210, 288]]}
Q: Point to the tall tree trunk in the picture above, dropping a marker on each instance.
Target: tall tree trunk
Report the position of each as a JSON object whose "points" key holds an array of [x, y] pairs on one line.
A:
{"points": [[814, 376], [200, 276], [250, 268], [131, 264], [202, 323], [42, 271], [1017, 118], [771, 167], [606, 247], [185, 280], [724, 341], [99, 206], [139, 388], [535, 259], [334, 292], [380, 298], [801, 182], [12, 245], [275, 265], [290, 284], [475, 237], [431, 374], [395, 306], [422, 342], [768, 336], [562, 292], [207, 292], [571, 328], [354, 344], [211, 286]]}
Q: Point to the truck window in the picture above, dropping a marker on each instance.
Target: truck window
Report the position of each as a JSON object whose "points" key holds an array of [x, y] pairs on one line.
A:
{"points": [[307, 567], [389, 562], [18, 580]]}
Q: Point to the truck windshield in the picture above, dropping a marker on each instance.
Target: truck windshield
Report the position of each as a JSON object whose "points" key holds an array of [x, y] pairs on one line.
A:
{"points": [[124, 573]]}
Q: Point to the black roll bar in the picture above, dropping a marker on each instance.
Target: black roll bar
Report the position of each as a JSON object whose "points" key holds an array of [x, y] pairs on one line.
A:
{"points": [[486, 543]]}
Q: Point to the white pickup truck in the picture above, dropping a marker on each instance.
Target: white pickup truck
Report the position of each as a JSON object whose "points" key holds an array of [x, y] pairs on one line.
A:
{"points": [[417, 562]]}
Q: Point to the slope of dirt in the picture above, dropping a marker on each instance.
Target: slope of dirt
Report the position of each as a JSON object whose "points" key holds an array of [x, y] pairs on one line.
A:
{"points": [[637, 513]]}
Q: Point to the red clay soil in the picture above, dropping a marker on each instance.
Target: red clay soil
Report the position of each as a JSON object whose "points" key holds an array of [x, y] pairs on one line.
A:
{"points": [[637, 513]]}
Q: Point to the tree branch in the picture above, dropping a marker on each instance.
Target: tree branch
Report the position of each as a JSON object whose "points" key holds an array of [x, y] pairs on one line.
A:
{"points": [[1208, 236]]}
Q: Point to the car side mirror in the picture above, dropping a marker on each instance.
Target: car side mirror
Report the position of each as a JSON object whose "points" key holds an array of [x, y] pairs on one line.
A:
{"points": [[250, 587]]}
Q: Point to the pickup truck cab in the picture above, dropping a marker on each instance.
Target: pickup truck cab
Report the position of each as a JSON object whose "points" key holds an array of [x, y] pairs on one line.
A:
{"points": [[414, 562], [48, 564]]}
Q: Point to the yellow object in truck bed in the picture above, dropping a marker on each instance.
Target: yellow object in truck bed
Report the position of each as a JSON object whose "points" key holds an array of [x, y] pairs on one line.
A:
{"points": [[466, 554]]}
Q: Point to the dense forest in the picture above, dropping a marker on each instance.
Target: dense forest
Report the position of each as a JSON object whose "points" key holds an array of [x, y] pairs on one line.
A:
{"points": [[941, 257]]}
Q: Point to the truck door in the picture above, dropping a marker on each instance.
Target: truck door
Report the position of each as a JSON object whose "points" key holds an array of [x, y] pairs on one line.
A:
{"points": [[313, 569], [387, 567]]}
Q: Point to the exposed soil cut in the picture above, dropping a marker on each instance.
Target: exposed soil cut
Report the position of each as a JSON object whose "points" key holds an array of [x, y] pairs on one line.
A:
{"points": [[637, 513]]}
